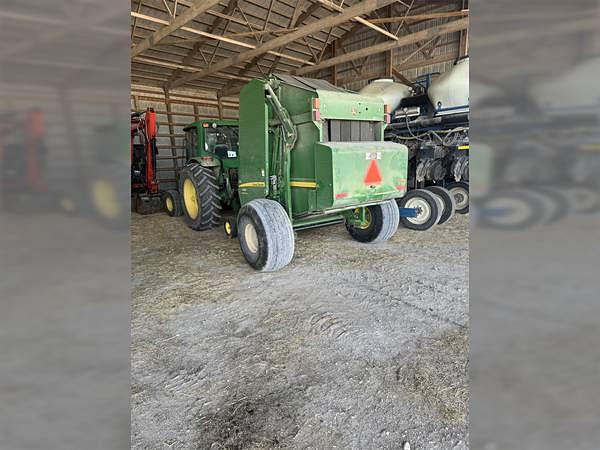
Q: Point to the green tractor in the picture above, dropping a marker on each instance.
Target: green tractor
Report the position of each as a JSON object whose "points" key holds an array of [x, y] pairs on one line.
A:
{"points": [[304, 154], [211, 152]]}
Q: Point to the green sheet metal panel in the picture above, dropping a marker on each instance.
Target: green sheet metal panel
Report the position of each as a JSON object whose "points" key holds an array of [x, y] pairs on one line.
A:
{"points": [[254, 142], [351, 173]]}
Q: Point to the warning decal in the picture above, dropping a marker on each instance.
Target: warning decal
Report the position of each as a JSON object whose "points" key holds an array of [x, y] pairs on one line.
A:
{"points": [[373, 175]]}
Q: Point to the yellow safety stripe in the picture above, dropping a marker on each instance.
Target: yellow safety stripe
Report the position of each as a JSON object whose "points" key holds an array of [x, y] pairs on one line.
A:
{"points": [[304, 184], [253, 184], [463, 147], [590, 147]]}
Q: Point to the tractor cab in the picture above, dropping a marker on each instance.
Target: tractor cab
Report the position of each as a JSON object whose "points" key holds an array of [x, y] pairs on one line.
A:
{"points": [[213, 143]]}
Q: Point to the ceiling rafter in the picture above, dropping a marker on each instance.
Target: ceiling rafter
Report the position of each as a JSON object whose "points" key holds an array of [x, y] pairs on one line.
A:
{"points": [[197, 8], [358, 9], [189, 58], [426, 34]]}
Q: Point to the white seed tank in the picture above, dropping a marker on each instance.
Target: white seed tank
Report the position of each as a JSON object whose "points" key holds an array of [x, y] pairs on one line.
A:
{"points": [[391, 92], [449, 93], [566, 94]]}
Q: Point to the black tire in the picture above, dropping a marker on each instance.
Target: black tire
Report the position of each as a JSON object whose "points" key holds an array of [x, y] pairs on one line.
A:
{"points": [[384, 222], [440, 205], [173, 203], [198, 186], [555, 205], [511, 209], [448, 200], [230, 228], [427, 207], [266, 235], [582, 199], [460, 191]]}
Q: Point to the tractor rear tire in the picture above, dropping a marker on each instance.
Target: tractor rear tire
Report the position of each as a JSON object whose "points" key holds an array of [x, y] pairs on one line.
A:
{"points": [[266, 235], [173, 203], [200, 197], [460, 191], [382, 224], [448, 200], [428, 212]]}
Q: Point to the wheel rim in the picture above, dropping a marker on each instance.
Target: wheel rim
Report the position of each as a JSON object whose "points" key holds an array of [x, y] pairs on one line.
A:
{"points": [[461, 196], [169, 204], [251, 238], [67, 204], [227, 227], [508, 211], [190, 199], [105, 199], [423, 210], [368, 218]]}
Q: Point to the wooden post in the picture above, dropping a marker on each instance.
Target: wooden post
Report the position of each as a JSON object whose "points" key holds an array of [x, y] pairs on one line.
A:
{"points": [[171, 133], [334, 49], [196, 113], [220, 105], [463, 46]]}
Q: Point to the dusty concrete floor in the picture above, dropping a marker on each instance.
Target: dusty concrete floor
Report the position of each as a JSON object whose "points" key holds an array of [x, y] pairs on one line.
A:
{"points": [[351, 346]]}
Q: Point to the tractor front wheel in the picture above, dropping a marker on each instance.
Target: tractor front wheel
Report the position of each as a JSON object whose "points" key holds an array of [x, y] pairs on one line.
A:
{"points": [[173, 203], [381, 223], [201, 202], [230, 227], [266, 235]]}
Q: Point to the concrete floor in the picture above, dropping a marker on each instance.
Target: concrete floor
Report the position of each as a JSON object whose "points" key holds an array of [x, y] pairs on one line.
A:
{"points": [[351, 346]]}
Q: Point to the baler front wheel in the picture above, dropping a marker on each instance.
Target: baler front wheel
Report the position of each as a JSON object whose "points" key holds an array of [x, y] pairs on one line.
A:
{"points": [[173, 203], [200, 191], [426, 207], [266, 235], [382, 223]]}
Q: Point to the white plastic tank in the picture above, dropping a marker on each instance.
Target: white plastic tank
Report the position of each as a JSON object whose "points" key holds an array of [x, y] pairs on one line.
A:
{"points": [[387, 89], [449, 93], [567, 94]]}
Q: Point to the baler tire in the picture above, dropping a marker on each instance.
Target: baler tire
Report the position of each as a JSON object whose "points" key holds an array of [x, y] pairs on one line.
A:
{"points": [[173, 203], [204, 189], [385, 218], [266, 235], [427, 200], [460, 187], [448, 200]]}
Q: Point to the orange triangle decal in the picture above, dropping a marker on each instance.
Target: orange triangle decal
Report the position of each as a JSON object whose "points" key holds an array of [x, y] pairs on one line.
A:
{"points": [[373, 175]]}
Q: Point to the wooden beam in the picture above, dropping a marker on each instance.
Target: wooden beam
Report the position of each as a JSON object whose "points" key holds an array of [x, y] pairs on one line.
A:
{"points": [[360, 8], [396, 70], [218, 38], [197, 8], [330, 5], [189, 58], [426, 34], [181, 67], [419, 17], [297, 18]]}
